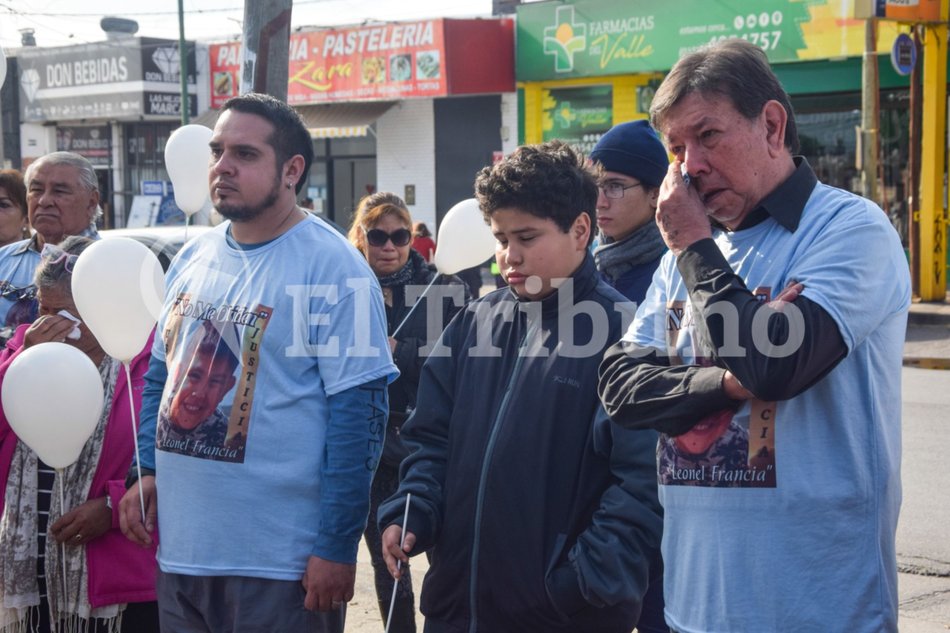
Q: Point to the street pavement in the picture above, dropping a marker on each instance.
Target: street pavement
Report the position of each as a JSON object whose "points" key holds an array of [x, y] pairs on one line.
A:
{"points": [[923, 533]]}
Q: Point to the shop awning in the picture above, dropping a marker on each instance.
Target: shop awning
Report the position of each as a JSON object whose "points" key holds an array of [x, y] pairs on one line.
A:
{"points": [[339, 120]]}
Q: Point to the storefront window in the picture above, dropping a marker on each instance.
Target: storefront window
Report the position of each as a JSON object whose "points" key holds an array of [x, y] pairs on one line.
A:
{"points": [[827, 129], [579, 116], [343, 171], [145, 158]]}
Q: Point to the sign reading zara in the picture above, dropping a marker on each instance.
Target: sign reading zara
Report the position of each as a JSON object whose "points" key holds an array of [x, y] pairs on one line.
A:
{"points": [[361, 63]]}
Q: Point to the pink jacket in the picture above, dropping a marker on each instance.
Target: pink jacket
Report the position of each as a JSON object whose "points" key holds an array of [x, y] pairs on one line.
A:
{"points": [[119, 570]]}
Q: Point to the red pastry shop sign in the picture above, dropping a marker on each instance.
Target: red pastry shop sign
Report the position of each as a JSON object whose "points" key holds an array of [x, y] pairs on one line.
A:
{"points": [[376, 62]]}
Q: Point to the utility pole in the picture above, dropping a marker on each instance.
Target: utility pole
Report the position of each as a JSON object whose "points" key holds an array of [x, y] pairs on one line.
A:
{"points": [[870, 115], [933, 222], [266, 51], [504, 7], [914, 166], [183, 63]]}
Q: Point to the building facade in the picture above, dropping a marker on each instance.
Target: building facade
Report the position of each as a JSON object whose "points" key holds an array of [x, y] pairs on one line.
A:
{"points": [[585, 65], [115, 102], [415, 108]]}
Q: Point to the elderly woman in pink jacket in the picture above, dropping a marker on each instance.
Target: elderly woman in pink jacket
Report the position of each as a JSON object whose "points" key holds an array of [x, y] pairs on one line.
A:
{"points": [[110, 582]]}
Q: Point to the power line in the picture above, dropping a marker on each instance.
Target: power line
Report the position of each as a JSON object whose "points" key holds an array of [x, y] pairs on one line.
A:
{"points": [[140, 13]]}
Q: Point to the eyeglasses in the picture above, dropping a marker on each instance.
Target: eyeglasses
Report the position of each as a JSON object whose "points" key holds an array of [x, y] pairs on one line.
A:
{"points": [[379, 237], [53, 255], [614, 190], [13, 293]]}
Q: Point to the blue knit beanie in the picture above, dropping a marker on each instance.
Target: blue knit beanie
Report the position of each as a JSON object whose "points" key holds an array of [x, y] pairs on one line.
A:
{"points": [[633, 149]]}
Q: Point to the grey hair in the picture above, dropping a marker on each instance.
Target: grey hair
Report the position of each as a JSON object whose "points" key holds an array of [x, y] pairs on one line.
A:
{"points": [[87, 173], [49, 275], [732, 68]]}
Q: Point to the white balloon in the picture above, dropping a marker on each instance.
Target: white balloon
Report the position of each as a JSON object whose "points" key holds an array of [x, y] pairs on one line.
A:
{"points": [[119, 287], [52, 397], [3, 66], [187, 157], [464, 239]]}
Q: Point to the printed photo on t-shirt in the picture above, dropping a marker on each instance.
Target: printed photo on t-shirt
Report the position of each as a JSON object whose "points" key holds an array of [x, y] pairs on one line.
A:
{"points": [[213, 359], [728, 448]]}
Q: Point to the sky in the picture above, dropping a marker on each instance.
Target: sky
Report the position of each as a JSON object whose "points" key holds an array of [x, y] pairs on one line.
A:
{"points": [[65, 22]]}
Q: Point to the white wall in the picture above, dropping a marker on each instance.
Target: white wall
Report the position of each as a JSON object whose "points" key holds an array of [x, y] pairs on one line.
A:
{"points": [[509, 122], [36, 140], [405, 155]]}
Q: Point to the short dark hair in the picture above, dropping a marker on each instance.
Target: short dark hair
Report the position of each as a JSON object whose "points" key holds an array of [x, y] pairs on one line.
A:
{"points": [[213, 346], [732, 68], [290, 136], [550, 180], [12, 182]]}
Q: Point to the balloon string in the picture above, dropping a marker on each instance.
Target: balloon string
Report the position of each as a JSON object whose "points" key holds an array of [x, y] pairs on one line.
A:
{"points": [[62, 546], [402, 542], [135, 437], [414, 306]]}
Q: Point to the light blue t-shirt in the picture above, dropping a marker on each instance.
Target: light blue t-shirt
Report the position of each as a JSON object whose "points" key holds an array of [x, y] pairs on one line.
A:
{"points": [[18, 262], [260, 338], [801, 536]]}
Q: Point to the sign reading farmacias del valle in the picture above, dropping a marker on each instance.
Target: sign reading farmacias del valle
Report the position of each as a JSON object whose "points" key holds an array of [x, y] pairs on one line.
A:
{"points": [[369, 63], [603, 37]]}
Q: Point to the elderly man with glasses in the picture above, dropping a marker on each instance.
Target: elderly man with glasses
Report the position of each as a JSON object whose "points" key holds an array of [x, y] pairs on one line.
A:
{"points": [[62, 200]]}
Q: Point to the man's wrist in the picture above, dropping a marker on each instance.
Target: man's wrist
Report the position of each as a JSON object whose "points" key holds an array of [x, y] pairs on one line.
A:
{"points": [[133, 475]]}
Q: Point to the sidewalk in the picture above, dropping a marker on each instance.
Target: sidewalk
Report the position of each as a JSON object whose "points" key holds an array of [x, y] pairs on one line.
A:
{"points": [[928, 336]]}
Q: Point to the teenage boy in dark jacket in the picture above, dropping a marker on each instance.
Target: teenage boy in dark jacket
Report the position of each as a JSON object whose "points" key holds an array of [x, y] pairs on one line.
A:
{"points": [[540, 514]]}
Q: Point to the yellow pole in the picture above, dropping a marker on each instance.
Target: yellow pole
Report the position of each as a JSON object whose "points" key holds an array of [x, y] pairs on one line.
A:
{"points": [[533, 132], [933, 223]]}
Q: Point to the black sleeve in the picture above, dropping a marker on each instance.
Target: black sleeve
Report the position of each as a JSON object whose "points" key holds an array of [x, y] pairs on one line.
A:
{"points": [[447, 298], [751, 338], [640, 389]]}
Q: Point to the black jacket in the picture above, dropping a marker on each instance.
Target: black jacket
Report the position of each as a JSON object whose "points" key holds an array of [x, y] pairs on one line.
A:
{"points": [[437, 304], [538, 510]]}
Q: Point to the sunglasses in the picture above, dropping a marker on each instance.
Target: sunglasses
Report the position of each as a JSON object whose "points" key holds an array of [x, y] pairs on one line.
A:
{"points": [[13, 293], [379, 237], [53, 255]]}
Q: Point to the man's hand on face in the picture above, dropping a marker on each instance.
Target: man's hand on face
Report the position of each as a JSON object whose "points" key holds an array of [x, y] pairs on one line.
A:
{"points": [[680, 213]]}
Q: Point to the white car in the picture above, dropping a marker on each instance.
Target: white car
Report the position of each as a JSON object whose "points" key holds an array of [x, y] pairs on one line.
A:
{"points": [[164, 241]]}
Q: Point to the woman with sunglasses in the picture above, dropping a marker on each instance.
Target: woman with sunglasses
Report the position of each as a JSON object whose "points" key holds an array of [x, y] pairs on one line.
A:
{"points": [[110, 582], [381, 231]]}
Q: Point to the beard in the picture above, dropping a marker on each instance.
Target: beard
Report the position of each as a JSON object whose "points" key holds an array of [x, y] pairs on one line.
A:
{"points": [[245, 212]]}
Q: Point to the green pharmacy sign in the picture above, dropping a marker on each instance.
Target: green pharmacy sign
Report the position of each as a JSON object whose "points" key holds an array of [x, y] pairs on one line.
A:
{"points": [[604, 37]]}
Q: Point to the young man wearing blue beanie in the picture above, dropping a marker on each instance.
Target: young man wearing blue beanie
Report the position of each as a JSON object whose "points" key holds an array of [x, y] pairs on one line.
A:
{"points": [[634, 164]]}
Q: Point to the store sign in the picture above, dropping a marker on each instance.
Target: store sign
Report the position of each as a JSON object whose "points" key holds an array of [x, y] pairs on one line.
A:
{"points": [[100, 80], [915, 10], [366, 63], [903, 54], [604, 37], [93, 142], [577, 115]]}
